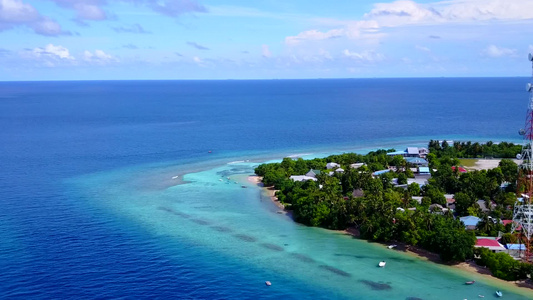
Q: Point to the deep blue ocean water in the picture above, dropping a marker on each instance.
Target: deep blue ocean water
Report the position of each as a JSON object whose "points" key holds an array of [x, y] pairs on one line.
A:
{"points": [[91, 206]]}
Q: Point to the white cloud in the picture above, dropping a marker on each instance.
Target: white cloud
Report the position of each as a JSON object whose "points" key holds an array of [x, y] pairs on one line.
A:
{"points": [[15, 13], [266, 51], [409, 13], [422, 48], [314, 35], [54, 52], [365, 56], [98, 57], [85, 9], [495, 51]]}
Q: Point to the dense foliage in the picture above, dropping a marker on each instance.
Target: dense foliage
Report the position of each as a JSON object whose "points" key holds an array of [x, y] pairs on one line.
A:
{"points": [[502, 265], [474, 150], [381, 213], [382, 206]]}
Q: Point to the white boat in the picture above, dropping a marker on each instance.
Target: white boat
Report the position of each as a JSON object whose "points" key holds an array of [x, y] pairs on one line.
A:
{"points": [[382, 264], [268, 283], [392, 246], [499, 293]]}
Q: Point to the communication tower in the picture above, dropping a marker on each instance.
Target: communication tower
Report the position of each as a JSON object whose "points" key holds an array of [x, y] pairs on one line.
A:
{"points": [[523, 210]]}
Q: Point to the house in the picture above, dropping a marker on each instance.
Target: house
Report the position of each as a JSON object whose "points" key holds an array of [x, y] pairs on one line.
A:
{"points": [[450, 201], [437, 209], [417, 161], [418, 180], [302, 178], [489, 243], [411, 152], [470, 222], [339, 170], [424, 171], [516, 250], [357, 165], [483, 205], [312, 173], [518, 227], [423, 152], [417, 199], [377, 173], [332, 165]]}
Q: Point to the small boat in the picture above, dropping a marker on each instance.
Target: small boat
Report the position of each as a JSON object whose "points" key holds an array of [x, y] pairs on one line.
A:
{"points": [[481, 296], [381, 264], [499, 293], [392, 246], [470, 282], [268, 283]]}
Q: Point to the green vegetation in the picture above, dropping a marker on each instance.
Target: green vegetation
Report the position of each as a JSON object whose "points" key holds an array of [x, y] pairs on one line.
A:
{"points": [[382, 208], [474, 150], [502, 265]]}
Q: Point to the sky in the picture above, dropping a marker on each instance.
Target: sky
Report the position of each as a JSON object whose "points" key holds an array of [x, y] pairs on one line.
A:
{"points": [[263, 39]]}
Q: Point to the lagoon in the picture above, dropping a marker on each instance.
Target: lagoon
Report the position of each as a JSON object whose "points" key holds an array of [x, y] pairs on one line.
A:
{"points": [[93, 208]]}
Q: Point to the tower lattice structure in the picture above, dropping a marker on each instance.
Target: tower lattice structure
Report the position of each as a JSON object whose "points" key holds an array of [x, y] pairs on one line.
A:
{"points": [[523, 210]]}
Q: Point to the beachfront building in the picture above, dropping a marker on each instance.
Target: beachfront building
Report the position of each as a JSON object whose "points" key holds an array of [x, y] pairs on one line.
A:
{"points": [[470, 222], [516, 250], [332, 165], [490, 243], [411, 152], [302, 178]]}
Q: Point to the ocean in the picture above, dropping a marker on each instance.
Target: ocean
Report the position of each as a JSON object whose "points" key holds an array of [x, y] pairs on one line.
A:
{"points": [[139, 190]]}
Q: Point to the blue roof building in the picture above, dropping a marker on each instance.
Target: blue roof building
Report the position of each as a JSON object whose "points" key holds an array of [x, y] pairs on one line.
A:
{"points": [[516, 247], [470, 221], [377, 173], [416, 161], [423, 170]]}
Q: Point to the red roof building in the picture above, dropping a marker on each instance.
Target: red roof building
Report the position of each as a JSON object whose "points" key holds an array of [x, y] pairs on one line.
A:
{"points": [[505, 222], [490, 244], [461, 169]]}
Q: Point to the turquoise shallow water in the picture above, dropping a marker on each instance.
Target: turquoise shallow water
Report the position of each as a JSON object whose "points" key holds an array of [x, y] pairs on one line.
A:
{"points": [[90, 209], [219, 210]]}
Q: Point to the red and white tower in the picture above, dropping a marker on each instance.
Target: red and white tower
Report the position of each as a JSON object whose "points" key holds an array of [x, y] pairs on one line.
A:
{"points": [[523, 210]]}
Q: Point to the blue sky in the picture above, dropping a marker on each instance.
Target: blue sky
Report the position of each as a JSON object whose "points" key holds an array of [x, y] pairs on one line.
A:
{"points": [[263, 39]]}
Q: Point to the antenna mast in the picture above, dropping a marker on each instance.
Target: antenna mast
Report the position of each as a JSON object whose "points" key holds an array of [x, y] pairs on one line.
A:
{"points": [[523, 210]]}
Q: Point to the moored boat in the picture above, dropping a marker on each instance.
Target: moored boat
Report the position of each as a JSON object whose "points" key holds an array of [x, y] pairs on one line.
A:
{"points": [[470, 282], [499, 293], [382, 264], [268, 283]]}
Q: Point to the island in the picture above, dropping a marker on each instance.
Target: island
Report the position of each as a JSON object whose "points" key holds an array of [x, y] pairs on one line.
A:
{"points": [[432, 199]]}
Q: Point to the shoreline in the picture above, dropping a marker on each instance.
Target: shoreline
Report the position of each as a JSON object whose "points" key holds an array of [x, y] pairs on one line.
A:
{"points": [[469, 267]]}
